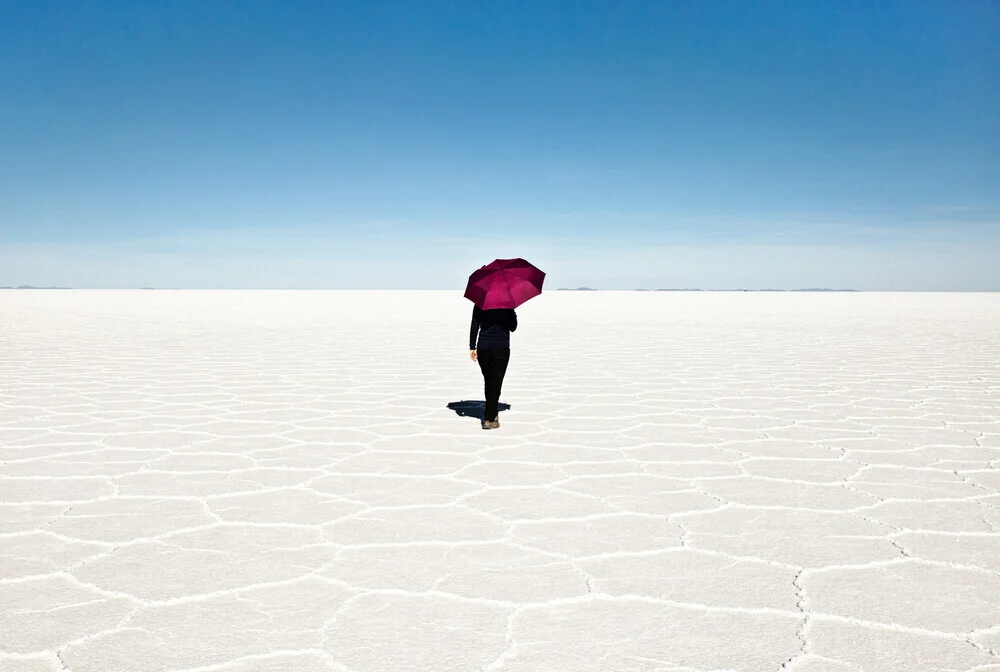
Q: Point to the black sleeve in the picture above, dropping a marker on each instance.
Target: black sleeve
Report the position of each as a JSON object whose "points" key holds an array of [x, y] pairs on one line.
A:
{"points": [[513, 321], [474, 329]]}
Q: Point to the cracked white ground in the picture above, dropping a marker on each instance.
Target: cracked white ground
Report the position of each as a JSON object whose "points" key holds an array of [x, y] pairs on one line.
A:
{"points": [[272, 481]]}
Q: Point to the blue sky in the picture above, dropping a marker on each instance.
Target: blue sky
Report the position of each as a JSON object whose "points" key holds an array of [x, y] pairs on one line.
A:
{"points": [[403, 144]]}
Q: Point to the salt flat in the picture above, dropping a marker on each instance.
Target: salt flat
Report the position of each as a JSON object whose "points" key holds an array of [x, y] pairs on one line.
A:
{"points": [[273, 481]]}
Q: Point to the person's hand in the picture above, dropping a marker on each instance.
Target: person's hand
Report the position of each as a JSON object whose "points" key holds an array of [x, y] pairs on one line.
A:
{"points": [[472, 355]]}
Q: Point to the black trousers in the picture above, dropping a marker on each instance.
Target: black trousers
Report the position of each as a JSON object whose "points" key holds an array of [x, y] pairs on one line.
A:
{"points": [[493, 363]]}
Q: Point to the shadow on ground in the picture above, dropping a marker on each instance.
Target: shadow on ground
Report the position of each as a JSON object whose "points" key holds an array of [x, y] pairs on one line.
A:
{"points": [[473, 409]]}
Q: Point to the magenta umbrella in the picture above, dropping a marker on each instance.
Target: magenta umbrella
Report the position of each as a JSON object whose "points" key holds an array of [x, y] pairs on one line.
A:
{"points": [[504, 283]]}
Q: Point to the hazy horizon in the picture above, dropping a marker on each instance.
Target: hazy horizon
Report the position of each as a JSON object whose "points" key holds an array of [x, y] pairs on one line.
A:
{"points": [[816, 290]]}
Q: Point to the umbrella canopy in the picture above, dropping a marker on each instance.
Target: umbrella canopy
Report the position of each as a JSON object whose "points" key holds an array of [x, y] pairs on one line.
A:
{"points": [[504, 283]]}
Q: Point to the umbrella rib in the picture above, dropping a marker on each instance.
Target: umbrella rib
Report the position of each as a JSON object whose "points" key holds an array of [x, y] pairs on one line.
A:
{"points": [[510, 294]]}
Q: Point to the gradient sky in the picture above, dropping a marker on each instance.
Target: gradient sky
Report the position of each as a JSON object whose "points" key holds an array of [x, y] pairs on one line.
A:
{"points": [[616, 144]]}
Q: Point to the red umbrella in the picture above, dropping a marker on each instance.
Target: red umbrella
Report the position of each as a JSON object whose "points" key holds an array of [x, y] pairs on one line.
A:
{"points": [[504, 283]]}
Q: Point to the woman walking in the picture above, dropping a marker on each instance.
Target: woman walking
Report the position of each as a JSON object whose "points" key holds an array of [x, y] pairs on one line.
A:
{"points": [[497, 289], [489, 344]]}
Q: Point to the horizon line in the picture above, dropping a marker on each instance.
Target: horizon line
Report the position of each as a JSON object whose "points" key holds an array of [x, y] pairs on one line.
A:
{"points": [[803, 290]]}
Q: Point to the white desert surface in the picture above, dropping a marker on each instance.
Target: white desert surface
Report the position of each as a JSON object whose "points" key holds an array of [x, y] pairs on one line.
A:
{"points": [[241, 481]]}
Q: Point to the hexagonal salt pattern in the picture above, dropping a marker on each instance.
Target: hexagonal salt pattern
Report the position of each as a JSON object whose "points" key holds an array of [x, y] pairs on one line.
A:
{"points": [[273, 481]]}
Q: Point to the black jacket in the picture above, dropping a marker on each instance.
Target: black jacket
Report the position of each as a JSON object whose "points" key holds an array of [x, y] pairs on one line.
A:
{"points": [[493, 328]]}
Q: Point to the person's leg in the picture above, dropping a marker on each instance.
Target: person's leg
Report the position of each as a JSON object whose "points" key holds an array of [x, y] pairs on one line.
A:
{"points": [[499, 370], [495, 370], [486, 360], [492, 385]]}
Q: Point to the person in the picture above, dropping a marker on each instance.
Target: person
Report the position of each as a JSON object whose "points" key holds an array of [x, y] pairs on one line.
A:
{"points": [[489, 344]]}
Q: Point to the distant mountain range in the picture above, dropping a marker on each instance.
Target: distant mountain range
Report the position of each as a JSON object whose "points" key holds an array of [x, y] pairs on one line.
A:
{"points": [[808, 289]]}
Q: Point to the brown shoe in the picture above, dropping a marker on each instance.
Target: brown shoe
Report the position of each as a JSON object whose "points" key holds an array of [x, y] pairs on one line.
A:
{"points": [[491, 424]]}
